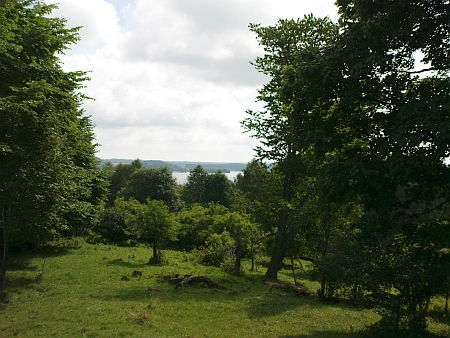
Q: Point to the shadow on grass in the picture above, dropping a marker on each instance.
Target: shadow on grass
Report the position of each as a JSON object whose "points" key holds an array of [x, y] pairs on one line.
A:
{"points": [[20, 263], [439, 316], [367, 333], [299, 273], [20, 282], [19, 259], [270, 304], [167, 292], [329, 334]]}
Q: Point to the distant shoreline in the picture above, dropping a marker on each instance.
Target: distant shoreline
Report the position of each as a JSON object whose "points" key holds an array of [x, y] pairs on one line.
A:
{"points": [[182, 166], [181, 177]]}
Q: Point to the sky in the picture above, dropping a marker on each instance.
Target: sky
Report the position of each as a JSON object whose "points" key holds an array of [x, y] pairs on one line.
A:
{"points": [[172, 79]]}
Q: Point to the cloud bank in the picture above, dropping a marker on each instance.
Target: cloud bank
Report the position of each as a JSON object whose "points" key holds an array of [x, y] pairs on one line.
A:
{"points": [[172, 78]]}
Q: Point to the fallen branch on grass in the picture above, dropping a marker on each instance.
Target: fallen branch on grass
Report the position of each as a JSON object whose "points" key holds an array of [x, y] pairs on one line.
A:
{"points": [[189, 279], [298, 290]]}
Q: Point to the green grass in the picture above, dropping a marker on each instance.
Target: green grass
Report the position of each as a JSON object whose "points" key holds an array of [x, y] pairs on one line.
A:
{"points": [[89, 291]]}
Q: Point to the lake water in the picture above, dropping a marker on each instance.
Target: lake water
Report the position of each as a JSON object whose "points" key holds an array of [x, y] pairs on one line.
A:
{"points": [[182, 177]]}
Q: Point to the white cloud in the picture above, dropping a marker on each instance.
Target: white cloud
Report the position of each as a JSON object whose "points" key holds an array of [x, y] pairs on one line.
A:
{"points": [[171, 78], [98, 18]]}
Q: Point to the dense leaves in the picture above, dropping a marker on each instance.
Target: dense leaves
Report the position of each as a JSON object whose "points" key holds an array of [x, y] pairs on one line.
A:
{"points": [[204, 188], [44, 142], [357, 128], [119, 176], [153, 223], [286, 126], [156, 184], [357, 123], [49, 182]]}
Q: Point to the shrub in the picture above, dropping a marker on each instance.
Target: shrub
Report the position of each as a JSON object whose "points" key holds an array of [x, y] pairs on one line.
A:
{"points": [[218, 249], [113, 228]]}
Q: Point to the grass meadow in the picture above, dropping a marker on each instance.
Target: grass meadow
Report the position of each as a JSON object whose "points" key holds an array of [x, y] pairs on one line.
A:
{"points": [[86, 290]]}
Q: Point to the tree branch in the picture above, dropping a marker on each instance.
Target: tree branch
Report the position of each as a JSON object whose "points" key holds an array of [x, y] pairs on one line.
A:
{"points": [[424, 70]]}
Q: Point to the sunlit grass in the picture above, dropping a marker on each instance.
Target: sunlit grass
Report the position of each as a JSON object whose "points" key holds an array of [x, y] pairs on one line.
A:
{"points": [[89, 291]]}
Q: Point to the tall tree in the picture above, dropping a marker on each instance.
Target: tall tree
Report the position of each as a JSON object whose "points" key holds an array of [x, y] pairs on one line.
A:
{"points": [[241, 230], [119, 176], [156, 184], [379, 136], [401, 120], [252, 179], [259, 194], [196, 185], [286, 138], [48, 177], [219, 189], [204, 188], [153, 223]]}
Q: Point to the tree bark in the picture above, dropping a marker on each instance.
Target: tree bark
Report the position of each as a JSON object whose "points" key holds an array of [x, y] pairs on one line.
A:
{"points": [[446, 301], [155, 251], [285, 232], [237, 263], [279, 252], [4, 267], [293, 270], [4, 221], [252, 252]]}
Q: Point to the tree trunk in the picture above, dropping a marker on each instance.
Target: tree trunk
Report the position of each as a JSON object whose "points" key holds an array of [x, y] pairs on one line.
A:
{"points": [[286, 227], [323, 286], [3, 271], [293, 270], [252, 252], [281, 245], [4, 221], [237, 263], [155, 251], [446, 301]]}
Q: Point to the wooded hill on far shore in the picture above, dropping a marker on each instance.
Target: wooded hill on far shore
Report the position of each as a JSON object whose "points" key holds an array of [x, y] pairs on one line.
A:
{"points": [[181, 166]]}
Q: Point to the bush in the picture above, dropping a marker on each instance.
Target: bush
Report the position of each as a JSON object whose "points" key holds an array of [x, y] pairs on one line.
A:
{"points": [[228, 264], [112, 227], [219, 248], [160, 259]]}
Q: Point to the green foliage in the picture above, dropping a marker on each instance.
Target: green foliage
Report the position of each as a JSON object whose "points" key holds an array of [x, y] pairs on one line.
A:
{"points": [[259, 194], [285, 127], [118, 177], [391, 158], [195, 187], [287, 45], [49, 182], [153, 223], [245, 234], [156, 184], [219, 189], [195, 224], [252, 179], [208, 229], [217, 250], [352, 125], [112, 225], [325, 235], [204, 188]]}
